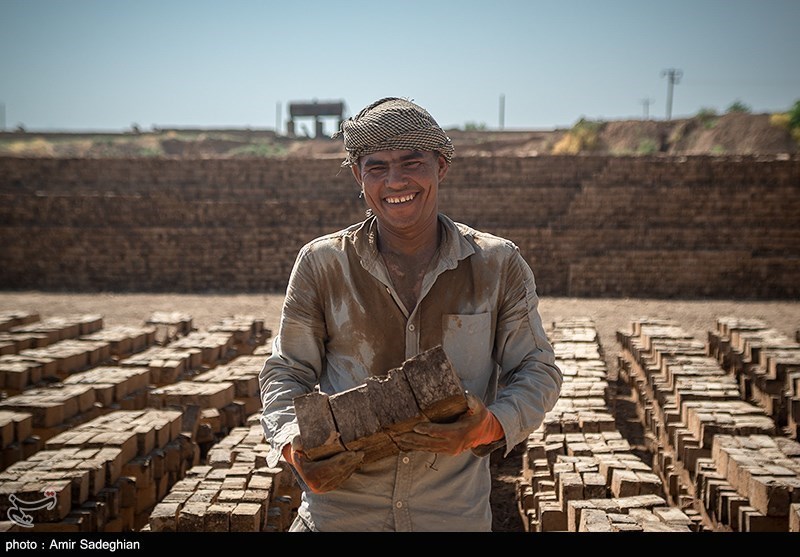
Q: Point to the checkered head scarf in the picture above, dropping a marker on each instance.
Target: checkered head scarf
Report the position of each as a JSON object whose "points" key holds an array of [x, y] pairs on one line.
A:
{"points": [[392, 123]]}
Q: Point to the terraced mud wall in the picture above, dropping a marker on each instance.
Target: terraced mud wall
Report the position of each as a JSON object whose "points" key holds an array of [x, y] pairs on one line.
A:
{"points": [[590, 226]]}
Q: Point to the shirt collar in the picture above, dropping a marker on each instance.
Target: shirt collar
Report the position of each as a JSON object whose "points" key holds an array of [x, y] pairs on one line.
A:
{"points": [[456, 244]]}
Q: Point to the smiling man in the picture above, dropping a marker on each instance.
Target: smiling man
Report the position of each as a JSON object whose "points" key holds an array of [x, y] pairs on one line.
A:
{"points": [[363, 300]]}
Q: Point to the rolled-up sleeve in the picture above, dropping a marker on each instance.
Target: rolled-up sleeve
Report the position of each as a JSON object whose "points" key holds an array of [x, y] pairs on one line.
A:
{"points": [[293, 368], [529, 380]]}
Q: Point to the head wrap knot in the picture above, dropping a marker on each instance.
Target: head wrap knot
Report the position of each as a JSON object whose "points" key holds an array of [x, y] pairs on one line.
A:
{"points": [[392, 123]]}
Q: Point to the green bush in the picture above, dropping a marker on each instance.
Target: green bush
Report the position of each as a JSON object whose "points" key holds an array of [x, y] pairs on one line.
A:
{"points": [[647, 147], [794, 116], [708, 117], [739, 107], [584, 136]]}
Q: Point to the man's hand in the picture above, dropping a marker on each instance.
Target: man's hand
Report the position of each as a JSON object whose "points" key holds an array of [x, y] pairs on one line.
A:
{"points": [[477, 426], [322, 475]]}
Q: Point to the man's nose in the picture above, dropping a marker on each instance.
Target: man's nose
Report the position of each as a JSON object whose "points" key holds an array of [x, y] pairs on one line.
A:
{"points": [[395, 177]]}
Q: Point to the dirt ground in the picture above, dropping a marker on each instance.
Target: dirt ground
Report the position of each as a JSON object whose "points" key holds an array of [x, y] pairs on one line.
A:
{"points": [[609, 315]]}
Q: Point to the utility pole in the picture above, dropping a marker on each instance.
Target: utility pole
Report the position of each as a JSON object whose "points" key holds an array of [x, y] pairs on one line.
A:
{"points": [[278, 118], [502, 111], [673, 78], [2, 117], [646, 104]]}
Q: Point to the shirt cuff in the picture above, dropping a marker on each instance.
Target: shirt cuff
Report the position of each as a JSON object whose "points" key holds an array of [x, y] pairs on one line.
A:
{"points": [[284, 436], [510, 425]]}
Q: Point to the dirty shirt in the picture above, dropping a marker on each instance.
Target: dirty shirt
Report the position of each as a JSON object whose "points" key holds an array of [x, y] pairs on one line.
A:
{"points": [[342, 321]]}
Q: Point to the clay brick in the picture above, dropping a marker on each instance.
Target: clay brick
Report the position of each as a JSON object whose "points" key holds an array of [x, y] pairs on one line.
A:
{"points": [[570, 488], [164, 517], [594, 485], [393, 402], [435, 385], [246, 517], [594, 520], [318, 431], [358, 425], [552, 518], [218, 517], [769, 495], [191, 518], [624, 483]]}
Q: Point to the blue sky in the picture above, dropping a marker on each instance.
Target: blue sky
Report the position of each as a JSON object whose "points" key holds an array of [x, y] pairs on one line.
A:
{"points": [[107, 64]]}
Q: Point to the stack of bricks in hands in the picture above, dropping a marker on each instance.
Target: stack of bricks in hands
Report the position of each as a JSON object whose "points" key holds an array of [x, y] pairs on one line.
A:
{"points": [[751, 483], [766, 363], [577, 460], [690, 401], [234, 491], [105, 475], [364, 418], [170, 325]]}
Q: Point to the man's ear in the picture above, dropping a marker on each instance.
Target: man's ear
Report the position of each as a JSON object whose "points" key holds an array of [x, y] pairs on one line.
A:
{"points": [[444, 166]]}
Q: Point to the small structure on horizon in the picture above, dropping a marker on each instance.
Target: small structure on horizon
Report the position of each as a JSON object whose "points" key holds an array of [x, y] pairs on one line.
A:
{"points": [[316, 110]]}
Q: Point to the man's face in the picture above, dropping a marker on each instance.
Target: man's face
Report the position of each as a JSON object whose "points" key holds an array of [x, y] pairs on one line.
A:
{"points": [[402, 187]]}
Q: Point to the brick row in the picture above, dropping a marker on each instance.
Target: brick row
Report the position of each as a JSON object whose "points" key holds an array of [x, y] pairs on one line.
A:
{"points": [[750, 482], [688, 402], [124, 340], [105, 475], [18, 439], [56, 328], [170, 325], [766, 363], [243, 372], [116, 387], [11, 318], [248, 332], [234, 491], [166, 364], [571, 462]]}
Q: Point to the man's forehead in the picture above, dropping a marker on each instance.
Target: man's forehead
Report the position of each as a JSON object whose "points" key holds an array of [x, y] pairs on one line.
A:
{"points": [[396, 155]]}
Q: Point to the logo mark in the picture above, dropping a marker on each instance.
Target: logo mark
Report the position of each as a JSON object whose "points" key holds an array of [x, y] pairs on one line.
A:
{"points": [[17, 513]]}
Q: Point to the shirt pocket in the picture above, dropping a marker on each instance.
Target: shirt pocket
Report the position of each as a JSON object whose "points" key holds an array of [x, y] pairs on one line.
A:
{"points": [[467, 341]]}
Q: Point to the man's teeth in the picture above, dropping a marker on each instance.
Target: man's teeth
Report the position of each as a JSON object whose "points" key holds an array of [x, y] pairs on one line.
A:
{"points": [[402, 199]]}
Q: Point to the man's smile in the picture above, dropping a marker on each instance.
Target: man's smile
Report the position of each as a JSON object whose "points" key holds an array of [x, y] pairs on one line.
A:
{"points": [[400, 198]]}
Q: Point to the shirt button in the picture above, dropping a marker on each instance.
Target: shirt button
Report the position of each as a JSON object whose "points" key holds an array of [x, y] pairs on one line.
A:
{"points": [[399, 504], [411, 327], [406, 460]]}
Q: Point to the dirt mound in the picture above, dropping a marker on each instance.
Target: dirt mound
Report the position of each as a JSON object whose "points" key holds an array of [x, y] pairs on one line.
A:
{"points": [[704, 134]]}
